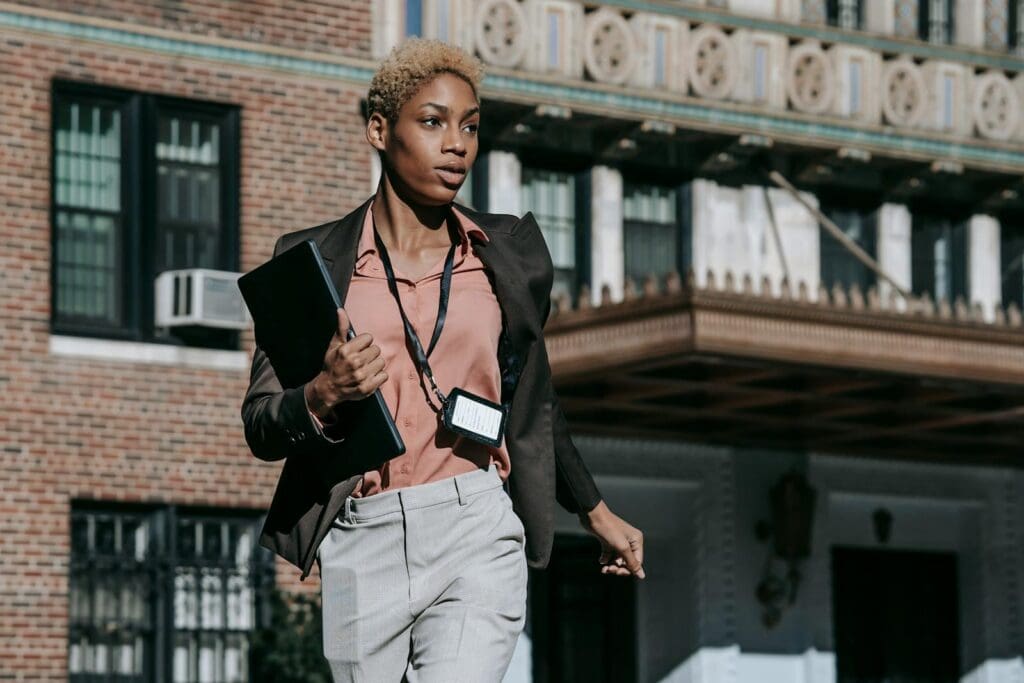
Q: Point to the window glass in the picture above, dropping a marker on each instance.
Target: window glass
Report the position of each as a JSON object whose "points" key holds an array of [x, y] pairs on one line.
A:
{"points": [[551, 196]]}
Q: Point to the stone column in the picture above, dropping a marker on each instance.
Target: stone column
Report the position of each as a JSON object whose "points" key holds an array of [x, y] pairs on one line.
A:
{"points": [[504, 179], [894, 254], [607, 256], [969, 24], [984, 266], [880, 17]]}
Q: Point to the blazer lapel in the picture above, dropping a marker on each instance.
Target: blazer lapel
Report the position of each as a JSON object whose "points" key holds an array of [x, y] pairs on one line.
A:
{"points": [[339, 248]]}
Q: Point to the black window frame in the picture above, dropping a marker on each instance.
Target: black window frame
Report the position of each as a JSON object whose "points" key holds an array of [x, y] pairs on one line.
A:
{"points": [[1013, 42], [832, 14], [924, 20], [140, 113], [923, 235], [683, 257], [1011, 256], [159, 568], [830, 248], [581, 218]]}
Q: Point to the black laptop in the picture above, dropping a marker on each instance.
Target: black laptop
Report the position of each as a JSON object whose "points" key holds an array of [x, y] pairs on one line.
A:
{"points": [[294, 306]]}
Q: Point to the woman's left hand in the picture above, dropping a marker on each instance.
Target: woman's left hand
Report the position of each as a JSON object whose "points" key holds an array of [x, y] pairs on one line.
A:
{"points": [[622, 545]]}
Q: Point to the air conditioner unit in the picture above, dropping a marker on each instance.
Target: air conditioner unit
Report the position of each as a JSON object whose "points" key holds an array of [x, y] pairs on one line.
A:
{"points": [[200, 297]]}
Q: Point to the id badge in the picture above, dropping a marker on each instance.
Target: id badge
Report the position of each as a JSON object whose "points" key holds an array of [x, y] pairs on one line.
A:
{"points": [[475, 418]]}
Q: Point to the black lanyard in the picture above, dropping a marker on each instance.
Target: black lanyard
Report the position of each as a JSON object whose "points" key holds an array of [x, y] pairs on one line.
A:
{"points": [[442, 310]]}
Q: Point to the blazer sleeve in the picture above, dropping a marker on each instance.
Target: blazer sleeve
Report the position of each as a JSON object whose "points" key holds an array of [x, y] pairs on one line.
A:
{"points": [[575, 489], [277, 421]]}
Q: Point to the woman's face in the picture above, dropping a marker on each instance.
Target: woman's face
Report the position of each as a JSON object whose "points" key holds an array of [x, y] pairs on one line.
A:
{"points": [[433, 143]]}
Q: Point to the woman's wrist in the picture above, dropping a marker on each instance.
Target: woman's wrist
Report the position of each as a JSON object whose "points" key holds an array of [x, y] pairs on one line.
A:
{"points": [[316, 404]]}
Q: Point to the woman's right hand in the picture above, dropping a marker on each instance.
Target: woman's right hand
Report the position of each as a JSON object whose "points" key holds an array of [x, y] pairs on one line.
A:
{"points": [[353, 369]]}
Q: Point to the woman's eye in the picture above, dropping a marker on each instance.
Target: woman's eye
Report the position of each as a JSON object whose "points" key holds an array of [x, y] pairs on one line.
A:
{"points": [[471, 127], [432, 121]]}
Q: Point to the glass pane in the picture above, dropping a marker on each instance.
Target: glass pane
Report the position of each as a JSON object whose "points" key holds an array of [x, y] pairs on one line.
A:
{"points": [[838, 264], [87, 156], [87, 192], [188, 193], [109, 597], [215, 596], [1012, 255], [551, 195]]}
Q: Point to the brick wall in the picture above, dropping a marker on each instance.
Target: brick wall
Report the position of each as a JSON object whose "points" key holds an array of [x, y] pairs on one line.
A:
{"points": [[125, 431], [339, 27]]}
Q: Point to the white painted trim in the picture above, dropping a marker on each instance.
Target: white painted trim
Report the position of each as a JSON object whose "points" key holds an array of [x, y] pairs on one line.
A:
{"points": [[997, 671], [142, 352]]}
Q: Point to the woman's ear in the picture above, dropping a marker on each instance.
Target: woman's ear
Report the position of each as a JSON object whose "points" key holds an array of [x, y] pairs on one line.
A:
{"points": [[377, 131]]}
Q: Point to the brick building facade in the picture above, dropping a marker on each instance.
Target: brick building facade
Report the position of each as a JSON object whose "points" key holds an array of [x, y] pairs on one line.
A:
{"points": [[117, 418], [751, 348]]}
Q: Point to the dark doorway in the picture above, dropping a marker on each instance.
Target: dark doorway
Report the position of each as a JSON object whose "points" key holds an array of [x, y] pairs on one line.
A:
{"points": [[582, 623], [896, 616]]}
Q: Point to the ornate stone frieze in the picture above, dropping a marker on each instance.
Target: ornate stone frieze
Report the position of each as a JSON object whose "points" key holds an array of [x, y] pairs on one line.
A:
{"points": [[810, 79], [762, 58], [857, 72], [556, 29], [904, 96], [949, 107], [996, 106], [609, 47], [661, 52], [501, 32], [712, 63]]}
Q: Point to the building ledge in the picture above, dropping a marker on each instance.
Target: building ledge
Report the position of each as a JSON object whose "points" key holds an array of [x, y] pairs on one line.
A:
{"points": [[117, 351]]}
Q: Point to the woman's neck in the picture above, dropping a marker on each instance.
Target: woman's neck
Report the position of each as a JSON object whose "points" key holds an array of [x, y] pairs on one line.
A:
{"points": [[405, 226]]}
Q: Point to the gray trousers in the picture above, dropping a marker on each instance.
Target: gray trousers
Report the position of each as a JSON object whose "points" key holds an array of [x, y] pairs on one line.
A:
{"points": [[426, 582]]}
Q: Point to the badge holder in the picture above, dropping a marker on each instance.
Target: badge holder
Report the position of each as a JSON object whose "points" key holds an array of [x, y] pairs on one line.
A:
{"points": [[474, 417]]}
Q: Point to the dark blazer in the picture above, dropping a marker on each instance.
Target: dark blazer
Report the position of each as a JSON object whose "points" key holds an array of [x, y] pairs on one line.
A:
{"points": [[545, 464]]}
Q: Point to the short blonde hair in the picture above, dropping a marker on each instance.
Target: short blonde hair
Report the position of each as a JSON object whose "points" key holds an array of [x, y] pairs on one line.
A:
{"points": [[413, 64]]}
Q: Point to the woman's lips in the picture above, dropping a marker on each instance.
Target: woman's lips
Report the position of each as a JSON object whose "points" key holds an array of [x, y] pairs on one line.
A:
{"points": [[451, 176]]}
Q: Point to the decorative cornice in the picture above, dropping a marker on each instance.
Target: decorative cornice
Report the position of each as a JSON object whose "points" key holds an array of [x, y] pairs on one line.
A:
{"points": [[827, 333], [873, 41], [516, 85]]}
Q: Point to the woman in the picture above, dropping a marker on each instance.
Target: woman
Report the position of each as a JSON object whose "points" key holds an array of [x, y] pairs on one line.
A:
{"points": [[423, 560]]}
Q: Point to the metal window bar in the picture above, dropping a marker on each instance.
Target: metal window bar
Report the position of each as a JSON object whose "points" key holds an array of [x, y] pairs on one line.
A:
{"points": [[209, 582], [651, 232]]}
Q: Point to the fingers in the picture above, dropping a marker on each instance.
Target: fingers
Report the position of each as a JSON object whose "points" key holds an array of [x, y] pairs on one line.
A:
{"points": [[636, 544], [343, 324]]}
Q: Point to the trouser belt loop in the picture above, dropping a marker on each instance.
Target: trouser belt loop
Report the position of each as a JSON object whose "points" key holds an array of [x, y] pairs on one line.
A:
{"points": [[348, 509], [458, 487]]}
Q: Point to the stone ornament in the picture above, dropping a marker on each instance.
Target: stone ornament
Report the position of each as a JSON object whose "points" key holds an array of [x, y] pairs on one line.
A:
{"points": [[995, 105], [501, 32], [609, 47], [810, 82], [903, 93], [713, 65]]}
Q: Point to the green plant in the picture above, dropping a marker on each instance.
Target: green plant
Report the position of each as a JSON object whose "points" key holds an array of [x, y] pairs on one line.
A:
{"points": [[289, 649]]}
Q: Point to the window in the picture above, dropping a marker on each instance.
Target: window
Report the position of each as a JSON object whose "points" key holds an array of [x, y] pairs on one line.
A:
{"points": [[413, 18], [1015, 26], [846, 14], [656, 231], [1012, 255], [141, 184], [163, 595], [935, 20], [838, 265], [939, 257], [551, 196]]}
